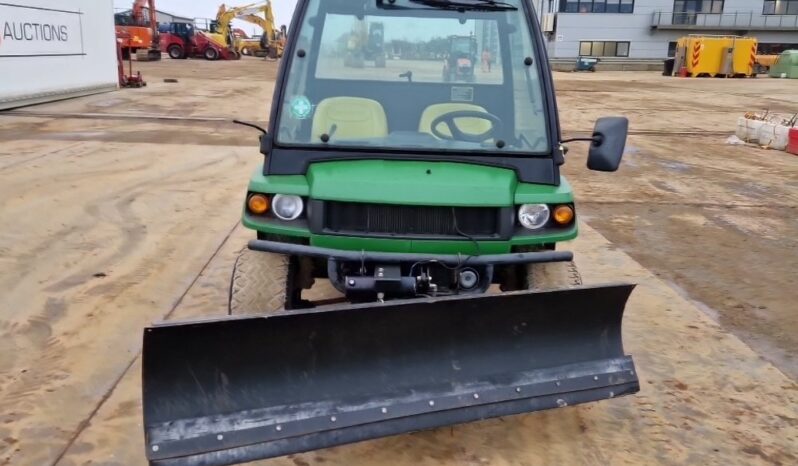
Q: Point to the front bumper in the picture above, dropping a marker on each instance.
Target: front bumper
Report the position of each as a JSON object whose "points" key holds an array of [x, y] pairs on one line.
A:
{"points": [[394, 257]]}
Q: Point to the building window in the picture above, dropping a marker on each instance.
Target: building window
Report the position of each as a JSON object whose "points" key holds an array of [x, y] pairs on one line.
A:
{"points": [[604, 49], [597, 6], [687, 11], [780, 7], [698, 6]]}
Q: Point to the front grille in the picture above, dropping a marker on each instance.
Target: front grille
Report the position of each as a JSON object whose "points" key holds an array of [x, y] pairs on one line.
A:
{"points": [[398, 220]]}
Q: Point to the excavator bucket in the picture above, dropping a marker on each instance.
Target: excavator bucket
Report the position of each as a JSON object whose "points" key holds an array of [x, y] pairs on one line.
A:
{"points": [[238, 389]]}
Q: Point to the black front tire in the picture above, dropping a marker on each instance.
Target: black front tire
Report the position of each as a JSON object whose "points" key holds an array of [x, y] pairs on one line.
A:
{"points": [[175, 51], [211, 54]]}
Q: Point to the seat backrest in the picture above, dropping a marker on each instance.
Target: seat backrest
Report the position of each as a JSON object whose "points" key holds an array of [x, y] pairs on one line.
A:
{"points": [[466, 125], [353, 117]]}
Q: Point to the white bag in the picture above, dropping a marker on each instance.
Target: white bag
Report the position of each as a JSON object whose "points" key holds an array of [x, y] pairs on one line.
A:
{"points": [[752, 130], [742, 128], [773, 136]]}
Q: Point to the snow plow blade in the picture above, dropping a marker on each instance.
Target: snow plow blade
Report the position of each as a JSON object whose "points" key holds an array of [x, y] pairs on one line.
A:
{"points": [[238, 389]]}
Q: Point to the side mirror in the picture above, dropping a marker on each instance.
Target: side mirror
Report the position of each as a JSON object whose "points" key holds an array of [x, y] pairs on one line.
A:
{"points": [[609, 141]]}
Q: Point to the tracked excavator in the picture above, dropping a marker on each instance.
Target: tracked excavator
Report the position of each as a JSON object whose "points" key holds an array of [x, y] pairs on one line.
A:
{"points": [[271, 42], [139, 31]]}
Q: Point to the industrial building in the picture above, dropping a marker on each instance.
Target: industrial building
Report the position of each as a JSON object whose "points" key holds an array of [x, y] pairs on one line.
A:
{"points": [[639, 31], [161, 16], [50, 54]]}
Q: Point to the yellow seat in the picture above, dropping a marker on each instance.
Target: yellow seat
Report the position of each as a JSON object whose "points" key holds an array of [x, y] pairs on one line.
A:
{"points": [[466, 125], [353, 117]]}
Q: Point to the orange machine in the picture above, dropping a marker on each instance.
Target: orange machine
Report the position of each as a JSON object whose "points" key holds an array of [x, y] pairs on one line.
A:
{"points": [[141, 31], [764, 62]]}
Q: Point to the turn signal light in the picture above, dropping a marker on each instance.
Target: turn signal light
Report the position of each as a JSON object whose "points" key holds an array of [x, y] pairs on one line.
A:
{"points": [[258, 204], [563, 214]]}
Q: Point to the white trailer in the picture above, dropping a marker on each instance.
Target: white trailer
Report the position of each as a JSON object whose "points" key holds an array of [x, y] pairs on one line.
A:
{"points": [[55, 50]]}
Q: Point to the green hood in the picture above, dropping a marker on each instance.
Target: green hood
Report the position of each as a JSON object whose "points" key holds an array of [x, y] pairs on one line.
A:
{"points": [[412, 183]]}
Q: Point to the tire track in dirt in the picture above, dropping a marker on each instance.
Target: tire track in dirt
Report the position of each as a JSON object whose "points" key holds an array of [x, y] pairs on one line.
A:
{"points": [[131, 232], [23, 160], [87, 420], [131, 227], [111, 224], [98, 211]]}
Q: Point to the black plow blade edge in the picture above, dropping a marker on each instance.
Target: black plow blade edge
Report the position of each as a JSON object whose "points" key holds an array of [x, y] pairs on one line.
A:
{"points": [[231, 390]]}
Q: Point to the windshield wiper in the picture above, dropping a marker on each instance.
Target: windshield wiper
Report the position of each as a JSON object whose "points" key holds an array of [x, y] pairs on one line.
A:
{"points": [[479, 5], [461, 5]]}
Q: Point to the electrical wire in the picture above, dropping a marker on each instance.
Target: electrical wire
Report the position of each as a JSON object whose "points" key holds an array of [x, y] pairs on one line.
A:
{"points": [[461, 233]]}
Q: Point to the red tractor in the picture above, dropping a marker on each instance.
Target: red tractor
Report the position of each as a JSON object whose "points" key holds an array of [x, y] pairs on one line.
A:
{"points": [[182, 40], [461, 59]]}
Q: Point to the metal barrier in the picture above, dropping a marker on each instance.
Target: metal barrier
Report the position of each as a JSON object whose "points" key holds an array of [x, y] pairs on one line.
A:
{"points": [[741, 20]]}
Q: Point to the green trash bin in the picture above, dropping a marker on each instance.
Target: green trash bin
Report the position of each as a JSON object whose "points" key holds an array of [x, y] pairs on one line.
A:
{"points": [[786, 66]]}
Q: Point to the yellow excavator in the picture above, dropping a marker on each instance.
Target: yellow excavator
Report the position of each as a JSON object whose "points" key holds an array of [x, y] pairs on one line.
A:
{"points": [[271, 43]]}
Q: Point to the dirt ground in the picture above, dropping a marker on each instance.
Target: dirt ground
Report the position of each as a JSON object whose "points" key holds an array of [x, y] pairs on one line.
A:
{"points": [[115, 214]]}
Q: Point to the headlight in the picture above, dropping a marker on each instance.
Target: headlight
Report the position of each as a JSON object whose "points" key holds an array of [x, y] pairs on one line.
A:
{"points": [[533, 216], [287, 207]]}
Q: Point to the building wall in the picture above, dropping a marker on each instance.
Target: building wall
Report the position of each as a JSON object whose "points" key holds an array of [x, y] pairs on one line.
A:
{"points": [[635, 28], [163, 17], [51, 53]]}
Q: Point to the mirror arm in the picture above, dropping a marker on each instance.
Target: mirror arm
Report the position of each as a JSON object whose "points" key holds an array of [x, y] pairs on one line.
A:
{"points": [[265, 137], [251, 125], [597, 139]]}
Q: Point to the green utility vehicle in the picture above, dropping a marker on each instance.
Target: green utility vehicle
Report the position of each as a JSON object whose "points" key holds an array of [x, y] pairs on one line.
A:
{"points": [[436, 210]]}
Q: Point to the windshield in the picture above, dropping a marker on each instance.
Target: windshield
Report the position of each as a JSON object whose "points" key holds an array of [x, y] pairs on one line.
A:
{"points": [[414, 75]]}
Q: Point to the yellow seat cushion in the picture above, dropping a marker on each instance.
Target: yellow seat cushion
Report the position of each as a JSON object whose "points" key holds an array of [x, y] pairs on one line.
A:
{"points": [[466, 125], [353, 117]]}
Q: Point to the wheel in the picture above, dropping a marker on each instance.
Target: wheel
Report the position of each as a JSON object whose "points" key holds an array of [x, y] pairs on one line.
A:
{"points": [[246, 51], [175, 51], [211, 54], [260, 283], [552, 276]]}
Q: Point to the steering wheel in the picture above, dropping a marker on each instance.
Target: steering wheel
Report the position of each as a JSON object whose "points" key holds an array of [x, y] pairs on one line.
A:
{"points": [[456, 134]]}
